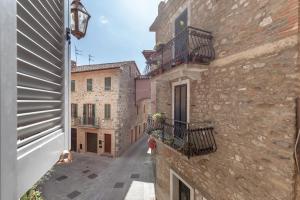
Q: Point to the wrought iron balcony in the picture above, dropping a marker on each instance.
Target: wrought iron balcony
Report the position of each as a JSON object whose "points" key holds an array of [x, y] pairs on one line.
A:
{"points": [[189, 139], [192, 45], [89, 122]]}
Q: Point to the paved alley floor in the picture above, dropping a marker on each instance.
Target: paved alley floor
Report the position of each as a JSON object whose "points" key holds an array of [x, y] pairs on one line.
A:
{"points": [[92, 177]]}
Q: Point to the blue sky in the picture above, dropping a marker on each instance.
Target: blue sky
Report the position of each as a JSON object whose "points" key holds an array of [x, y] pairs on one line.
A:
{"points": [[118, 30]]}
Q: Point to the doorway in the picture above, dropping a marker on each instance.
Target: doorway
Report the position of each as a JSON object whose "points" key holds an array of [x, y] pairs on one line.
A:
{"points": [[107, 143], [91, 142], [184, 191], [180, 109], [181, 35], [74, 139]]}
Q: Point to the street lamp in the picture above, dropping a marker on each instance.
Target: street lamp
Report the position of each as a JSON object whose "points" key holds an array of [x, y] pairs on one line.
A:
{"points": [[79, 19]]}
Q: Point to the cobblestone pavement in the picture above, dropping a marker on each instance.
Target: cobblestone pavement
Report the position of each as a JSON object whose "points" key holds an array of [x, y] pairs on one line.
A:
{"points": [[92, 177]]}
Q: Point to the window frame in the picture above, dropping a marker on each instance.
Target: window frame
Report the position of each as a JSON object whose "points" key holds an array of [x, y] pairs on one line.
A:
{"points": [[8, 91]]}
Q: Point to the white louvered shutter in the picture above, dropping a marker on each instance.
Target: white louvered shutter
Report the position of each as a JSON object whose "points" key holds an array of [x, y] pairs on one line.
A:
{"points": [[42, 87]]}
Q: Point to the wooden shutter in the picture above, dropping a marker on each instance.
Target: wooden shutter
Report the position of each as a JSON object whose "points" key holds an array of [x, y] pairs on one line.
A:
{"points": [[73, 85], [42, 88], [89, 84], [85, 113], [93, 113], [107, 111]]}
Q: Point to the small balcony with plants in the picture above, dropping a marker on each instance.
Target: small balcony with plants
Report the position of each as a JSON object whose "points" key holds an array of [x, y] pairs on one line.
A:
{"points": [[190, 139], [190, 46]]}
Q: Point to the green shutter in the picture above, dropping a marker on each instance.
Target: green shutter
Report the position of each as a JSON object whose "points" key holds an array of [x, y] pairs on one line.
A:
{"points": [[107, 111], [107, 83], [73, 85], [89, 84], [93, 111], [84, 113]]}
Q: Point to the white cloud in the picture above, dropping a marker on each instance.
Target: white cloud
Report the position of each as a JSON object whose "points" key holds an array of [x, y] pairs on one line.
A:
{"points": [[104, 20]]}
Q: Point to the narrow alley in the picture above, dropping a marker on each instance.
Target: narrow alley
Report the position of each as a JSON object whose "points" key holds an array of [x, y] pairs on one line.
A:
{"points": [[92, 177]]}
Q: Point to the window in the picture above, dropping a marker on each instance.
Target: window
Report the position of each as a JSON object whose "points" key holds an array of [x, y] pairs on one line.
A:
{"points": [[107, 111], [73, 85], [144, 108], [89, 84], [180, 189], [74, 110], [137, 109], [107, 83]]}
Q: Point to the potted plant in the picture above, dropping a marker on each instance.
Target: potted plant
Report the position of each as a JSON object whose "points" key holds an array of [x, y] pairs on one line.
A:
{"points": [[159, 118]]}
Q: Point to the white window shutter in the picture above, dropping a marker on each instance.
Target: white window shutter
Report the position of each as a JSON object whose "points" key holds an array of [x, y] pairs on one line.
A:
{"points": [[42, 88]]}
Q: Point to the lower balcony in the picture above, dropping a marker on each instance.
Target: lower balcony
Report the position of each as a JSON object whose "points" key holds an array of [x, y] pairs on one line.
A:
{"points": [[86, 122], [189, 139]]}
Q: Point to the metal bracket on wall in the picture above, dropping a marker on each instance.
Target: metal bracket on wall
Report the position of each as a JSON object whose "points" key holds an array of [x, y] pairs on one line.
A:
{"points": [[68, 35]]}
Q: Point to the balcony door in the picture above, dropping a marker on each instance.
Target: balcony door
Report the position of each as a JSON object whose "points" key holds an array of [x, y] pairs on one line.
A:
{"points": [[184, 191], [88, 114], [180, 109], [181, 37]]}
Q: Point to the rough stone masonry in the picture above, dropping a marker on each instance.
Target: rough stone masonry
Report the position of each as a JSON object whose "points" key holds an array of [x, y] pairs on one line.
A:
{"points": [[248, 92]]}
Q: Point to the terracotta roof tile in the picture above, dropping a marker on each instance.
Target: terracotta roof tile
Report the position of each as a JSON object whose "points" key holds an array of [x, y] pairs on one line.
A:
{"points": [[104, 66]]}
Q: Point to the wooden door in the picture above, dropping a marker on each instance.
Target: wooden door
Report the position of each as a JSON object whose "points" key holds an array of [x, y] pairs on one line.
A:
{"points": [[107, 143], [180, 109], [135, 133], [74, 139], [91, 142]]}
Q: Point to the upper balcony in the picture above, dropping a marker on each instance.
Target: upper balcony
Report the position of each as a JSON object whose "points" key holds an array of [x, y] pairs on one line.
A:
{"points": [[192, 45], [86, 122]]}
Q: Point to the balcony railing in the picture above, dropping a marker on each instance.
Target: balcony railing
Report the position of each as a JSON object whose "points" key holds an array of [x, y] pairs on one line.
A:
{"points": [[189, 139], [86, 122], [192, 45]]}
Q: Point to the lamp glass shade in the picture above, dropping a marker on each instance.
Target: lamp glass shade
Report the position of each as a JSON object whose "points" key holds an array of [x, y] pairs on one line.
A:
{"points": [[79, 19]]}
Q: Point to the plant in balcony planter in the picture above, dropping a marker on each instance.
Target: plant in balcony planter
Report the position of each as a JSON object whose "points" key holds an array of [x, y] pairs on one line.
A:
{"points": [[159, 46], [159, 118], [169, 140], [157, 134]]}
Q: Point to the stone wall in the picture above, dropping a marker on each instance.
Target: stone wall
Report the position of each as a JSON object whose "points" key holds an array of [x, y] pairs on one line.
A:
{"points": [[127, 110], [249, 94]]}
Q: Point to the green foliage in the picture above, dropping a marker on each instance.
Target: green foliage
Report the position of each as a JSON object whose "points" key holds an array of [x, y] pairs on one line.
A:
{"points": [[32, 194], [159, 117]]}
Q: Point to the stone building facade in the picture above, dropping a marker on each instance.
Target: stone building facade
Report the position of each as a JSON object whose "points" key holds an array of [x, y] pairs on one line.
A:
{"points": [[104, 111], [248, 92]]}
